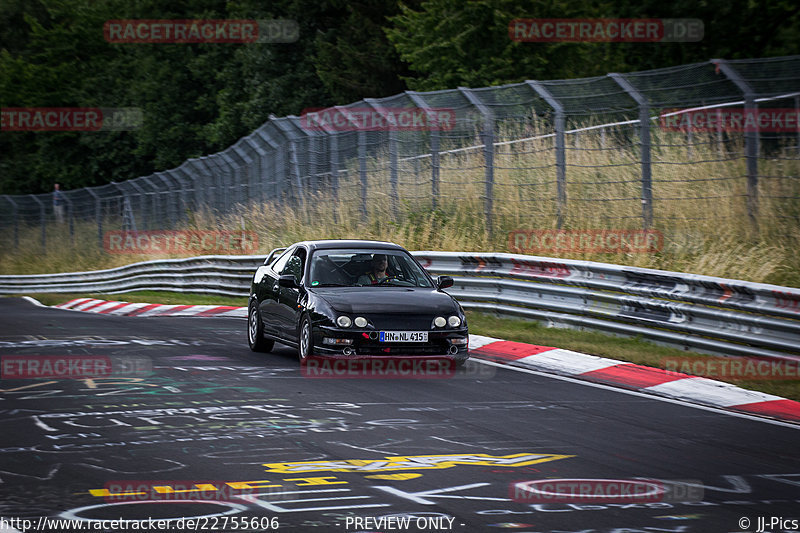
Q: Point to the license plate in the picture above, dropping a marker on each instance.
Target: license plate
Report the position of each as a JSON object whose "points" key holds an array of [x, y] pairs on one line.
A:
{"points": [[404, 336]]}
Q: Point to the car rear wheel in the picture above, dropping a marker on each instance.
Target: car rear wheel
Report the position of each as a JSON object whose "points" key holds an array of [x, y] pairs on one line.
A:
{"points": [[255, 332], [305, 341]]}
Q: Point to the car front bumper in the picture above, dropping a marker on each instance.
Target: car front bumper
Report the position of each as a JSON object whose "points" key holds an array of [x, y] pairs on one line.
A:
{"points": [[445, 343]]}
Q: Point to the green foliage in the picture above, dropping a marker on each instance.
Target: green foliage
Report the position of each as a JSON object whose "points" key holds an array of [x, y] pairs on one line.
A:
{"points": [[450, 42], [198, 99], [350, 70]]}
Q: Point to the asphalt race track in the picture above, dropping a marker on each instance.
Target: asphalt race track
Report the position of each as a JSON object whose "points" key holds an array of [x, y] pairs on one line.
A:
{"points": [[192, 424]]}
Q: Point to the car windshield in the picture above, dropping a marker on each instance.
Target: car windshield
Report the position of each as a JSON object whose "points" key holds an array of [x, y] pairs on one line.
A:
{"points": [[361, 268]]}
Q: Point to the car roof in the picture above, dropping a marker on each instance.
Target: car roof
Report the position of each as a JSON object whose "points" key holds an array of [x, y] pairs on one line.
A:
{"points": [[349, 243]]}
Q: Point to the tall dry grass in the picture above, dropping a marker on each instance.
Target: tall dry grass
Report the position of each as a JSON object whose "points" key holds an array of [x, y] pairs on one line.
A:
{"points": [[699, 193]]}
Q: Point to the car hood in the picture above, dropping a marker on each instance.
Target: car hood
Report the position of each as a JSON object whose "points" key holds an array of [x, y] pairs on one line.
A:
{"points": [[367, 300]]}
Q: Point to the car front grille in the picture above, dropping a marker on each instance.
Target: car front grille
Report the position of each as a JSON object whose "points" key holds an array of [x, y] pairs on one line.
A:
{"points": [[397, 349]]}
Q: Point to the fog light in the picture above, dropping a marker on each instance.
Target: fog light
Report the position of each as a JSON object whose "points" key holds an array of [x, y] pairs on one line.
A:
{"points": [[360, 321], [337, 342], [439, 322], [344, 321], [453, 321]]}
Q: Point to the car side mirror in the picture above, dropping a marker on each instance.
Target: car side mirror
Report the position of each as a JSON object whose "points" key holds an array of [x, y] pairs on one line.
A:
{"points": [[444, 282], [288, 281]]}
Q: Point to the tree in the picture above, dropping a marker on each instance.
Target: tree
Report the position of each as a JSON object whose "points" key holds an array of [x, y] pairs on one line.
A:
{"points": [[448, 43]]}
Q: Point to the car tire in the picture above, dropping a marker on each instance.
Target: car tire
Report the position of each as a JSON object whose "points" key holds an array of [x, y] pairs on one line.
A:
{"points": [[305, 340], [255, 332]]}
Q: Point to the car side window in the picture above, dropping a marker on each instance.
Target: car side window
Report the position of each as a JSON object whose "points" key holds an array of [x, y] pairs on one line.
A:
{"points": [[294, 265], [280, 264]]}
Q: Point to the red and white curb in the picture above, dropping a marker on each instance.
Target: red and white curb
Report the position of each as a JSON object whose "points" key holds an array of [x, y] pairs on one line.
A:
{"points": [[542, 358], [636, 377], [104, 307]]}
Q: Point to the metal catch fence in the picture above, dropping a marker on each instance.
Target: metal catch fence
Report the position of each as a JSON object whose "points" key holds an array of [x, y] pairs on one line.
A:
{"points": [[608, 151]]}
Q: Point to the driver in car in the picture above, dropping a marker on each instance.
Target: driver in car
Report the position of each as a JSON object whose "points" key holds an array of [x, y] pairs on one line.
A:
{"points": [[378, 272]]}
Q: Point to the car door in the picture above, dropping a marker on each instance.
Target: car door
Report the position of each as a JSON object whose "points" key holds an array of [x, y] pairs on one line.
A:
{"points": [[287, 309], [268, 292]]}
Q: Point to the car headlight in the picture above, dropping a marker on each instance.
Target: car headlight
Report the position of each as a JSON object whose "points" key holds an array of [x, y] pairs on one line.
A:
{"points": [[360, 321], [439, 322], [453, 321], [344, 321]]}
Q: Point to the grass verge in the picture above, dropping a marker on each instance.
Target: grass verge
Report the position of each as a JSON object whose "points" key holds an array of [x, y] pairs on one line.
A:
{"points": [[632, 350]]}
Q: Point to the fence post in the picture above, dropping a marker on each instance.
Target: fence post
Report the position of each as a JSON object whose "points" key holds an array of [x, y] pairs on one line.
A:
{"points": [[435, 142], [180, 193], [188, 193], [98, 213], [70, 217], [393, 157], [247, 169], [333, 148], [259, 157], [217, 169], [362, 172], [302, 144], [149, 211], [228, 166], [14, 213], [291, 136], [141, 194], [170, 198], [561, 151], [42, 221], [797, 113], [393, 172], [275, 161], [191, 172], [750, 139], [126, 209], [241, 162], [645, 146], [201, 180], [488, 155]]}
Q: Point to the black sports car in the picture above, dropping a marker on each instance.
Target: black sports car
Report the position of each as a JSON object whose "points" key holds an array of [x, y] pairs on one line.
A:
{"points": [[354, 299]]}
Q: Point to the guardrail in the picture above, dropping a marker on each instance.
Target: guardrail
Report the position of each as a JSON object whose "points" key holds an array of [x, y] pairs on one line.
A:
{"points": [[700, 313]]}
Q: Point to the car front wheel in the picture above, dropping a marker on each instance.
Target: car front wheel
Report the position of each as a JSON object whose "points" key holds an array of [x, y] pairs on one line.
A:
{"points": [[255, 332], [305, 342]]}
